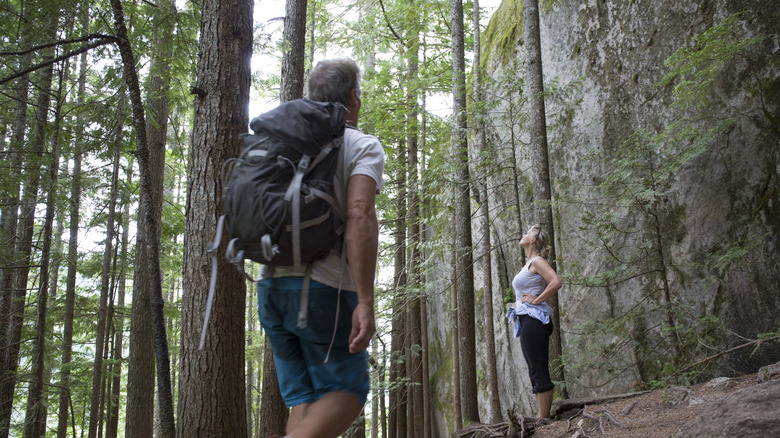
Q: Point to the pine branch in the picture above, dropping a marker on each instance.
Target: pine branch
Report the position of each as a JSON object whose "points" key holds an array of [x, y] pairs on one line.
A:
{"points": [[80, 50]]}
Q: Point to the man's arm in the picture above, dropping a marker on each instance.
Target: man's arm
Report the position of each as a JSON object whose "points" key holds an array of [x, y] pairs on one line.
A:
{"points": [[362, 243]]}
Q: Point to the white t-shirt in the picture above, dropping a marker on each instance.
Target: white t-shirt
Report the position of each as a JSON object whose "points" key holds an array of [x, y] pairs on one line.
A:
{"points": [[362, 155]]}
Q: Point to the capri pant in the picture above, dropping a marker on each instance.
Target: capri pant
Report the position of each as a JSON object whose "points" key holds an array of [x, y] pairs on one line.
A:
{"points": [[534, 341]]}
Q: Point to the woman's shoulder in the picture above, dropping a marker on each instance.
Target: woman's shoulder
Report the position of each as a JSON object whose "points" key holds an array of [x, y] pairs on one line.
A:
{"points": [[534, 262]]}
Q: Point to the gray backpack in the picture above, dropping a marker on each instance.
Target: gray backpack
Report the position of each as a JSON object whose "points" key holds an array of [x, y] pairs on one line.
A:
{"points": [[279, 204]]}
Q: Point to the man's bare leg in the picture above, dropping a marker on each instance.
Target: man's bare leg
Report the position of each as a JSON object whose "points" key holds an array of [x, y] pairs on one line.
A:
{"points": [[329, 416]]}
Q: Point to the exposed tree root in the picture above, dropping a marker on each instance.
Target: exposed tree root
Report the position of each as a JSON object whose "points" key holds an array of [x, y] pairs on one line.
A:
{"points": [[519, 426]]}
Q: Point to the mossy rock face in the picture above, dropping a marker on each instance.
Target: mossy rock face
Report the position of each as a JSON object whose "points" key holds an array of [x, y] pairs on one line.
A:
{"points": [[726, 197]]}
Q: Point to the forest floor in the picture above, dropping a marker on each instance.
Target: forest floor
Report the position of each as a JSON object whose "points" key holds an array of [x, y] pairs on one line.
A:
{"points": [[649, 414]]}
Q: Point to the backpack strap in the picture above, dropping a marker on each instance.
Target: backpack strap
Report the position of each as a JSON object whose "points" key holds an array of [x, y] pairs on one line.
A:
{"points": [[212, 249], [338, 298], [293, 195], [303, 312], [236, 258]]}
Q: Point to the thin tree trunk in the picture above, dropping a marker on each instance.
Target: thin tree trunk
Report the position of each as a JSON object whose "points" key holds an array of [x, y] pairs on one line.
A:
{"points": [[140, 395], [35, 417], [112, 427], [382, 398], [72, 261], [419, 423], [100, 332], [398, 417], [462, 220], [539, 152], [376, 392], [12, 294], [26, 232], [484, 216], [250, 366], [294, 56], [212, 399], [455, 342], [273, 413], [151, 227]]}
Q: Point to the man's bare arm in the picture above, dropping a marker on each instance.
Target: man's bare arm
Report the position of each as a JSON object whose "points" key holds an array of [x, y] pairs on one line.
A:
{"points": [[362, 243]]}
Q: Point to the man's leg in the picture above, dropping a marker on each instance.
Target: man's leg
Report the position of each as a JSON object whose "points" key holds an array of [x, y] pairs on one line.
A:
{"points": [[330, 416]]}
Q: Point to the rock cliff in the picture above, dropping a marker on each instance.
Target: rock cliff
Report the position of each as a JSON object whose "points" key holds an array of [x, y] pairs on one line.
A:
{"points": [[692, 264]]}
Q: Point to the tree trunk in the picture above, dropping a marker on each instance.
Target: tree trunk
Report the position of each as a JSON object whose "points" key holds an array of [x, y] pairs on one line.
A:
{"points": [[211, 381], [273, 413], [398, 393], [375, 394], [151, 225], [112, 426], [484, 229], [419, 421], [456, 382], [462, 221], [294, 56], [72, 260], [542, 192], [26, 234], [35, 417], [12, 295], [141, 370], [100, 332], [250, 361]]}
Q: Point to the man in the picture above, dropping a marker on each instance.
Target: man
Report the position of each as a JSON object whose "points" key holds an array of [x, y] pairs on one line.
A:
{"points": [[323, 371]]}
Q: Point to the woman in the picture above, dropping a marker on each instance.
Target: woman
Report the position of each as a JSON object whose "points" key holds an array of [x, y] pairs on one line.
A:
{"points": [[536, 283]]}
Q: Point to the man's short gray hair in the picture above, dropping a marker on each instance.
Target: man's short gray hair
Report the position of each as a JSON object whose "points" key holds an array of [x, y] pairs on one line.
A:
{"points": [[332, 80]]}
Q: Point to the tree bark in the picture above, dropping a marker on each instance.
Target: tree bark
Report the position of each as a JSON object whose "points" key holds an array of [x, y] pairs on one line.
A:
{"points": [[72, 259], [273, 413], [26, 232], [141, 370], [35, 417], [398, 394], [419, 421], [164, 395], [484, 229], [11, 294], [462, 221], [294, 55], [212, 389], [112, 425], [542, 191], [455, 342]]}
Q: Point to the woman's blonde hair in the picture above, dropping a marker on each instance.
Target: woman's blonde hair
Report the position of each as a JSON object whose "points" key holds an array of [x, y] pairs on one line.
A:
{"points": [[542, 243]]}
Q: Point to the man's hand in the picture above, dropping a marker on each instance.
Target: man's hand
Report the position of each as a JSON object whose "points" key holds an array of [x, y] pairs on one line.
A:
{"points": [[363, 327]]}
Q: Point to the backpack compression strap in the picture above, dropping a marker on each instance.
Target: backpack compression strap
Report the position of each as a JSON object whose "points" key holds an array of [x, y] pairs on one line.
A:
{"points": [[236, 258], [293, 195], [212, 249]]}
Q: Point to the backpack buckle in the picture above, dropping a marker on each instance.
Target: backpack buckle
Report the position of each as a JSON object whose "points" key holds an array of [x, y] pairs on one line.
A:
{"points": [[303, 164]]}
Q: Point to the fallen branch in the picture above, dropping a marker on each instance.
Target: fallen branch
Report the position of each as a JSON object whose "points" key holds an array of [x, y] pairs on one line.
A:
{"points": [[565, 405], [627, 410], [724, 352], [611, 417]]}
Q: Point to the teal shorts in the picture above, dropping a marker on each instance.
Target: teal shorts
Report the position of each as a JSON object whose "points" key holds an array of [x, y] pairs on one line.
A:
{"points": [[299, 354]]}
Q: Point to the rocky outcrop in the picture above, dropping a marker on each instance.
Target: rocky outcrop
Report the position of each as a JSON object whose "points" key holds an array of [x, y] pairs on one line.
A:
{"points": [[749, 412], [718, 217]]}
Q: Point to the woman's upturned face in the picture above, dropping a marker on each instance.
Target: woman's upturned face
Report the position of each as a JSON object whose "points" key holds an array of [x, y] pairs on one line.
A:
{"points": [[528, 237]]}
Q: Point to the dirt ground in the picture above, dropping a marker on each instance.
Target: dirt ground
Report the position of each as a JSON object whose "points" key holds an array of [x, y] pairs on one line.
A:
{"points": [[653, 414]]}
